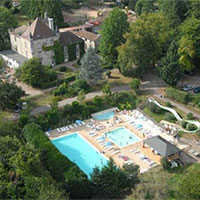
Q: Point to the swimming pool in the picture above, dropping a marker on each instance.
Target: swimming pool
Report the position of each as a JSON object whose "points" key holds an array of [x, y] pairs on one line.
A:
{"points": [[81, 152], [105, 116], [122, 137]]}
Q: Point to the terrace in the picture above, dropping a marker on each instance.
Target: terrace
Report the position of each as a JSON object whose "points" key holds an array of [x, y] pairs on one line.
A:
{"points": [[121, 146]]}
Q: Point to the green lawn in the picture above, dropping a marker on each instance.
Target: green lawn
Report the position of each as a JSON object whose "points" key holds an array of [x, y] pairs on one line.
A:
{"points": [[156, 117]]}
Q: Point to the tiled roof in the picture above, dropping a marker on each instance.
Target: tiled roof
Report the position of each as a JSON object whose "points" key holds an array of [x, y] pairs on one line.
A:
{"points": [[87, 35], [38, 30], [162, 146], [20, 30], [68, 37], [76, 27]]}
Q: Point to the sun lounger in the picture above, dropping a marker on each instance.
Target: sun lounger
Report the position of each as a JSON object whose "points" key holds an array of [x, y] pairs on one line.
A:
{"points": [[116, 152], [109, 148], [92, 120], [62, 129], [66, 127], [47, 133], [83, 123], [70, 126], [75, 125], [58, 129]]}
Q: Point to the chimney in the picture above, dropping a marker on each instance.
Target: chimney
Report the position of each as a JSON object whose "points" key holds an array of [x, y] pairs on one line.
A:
{"points": [[51, 23], [45, 15]]}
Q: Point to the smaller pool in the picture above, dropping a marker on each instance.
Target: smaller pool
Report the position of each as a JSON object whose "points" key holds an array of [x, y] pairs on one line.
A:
{"points": [[122, 137], [105, 116]]}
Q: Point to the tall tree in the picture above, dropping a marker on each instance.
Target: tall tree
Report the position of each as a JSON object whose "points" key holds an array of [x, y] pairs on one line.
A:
{"points": [[144, 6], [144, 44], [189, 48], [7, 20], [170, 69], [91, 70], [113, 29], [36, 74], [194, 8], [9, 95], [175, 10], [35, 8]]}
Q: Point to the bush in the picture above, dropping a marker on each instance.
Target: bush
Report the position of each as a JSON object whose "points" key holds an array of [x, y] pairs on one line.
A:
{"points": [[165, 163], [135, 85], [168, 104], [63, 69], [183, 124], [153, 108], [190, 116], [170, 117], [61, 90], [180, 96], [190, 127]]}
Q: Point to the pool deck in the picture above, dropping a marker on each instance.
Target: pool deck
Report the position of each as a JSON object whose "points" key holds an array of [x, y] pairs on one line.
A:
{"points": [[116, 153]]}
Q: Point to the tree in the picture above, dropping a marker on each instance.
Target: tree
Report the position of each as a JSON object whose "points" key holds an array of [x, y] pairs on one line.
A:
{"points": [[175, 10], [113, 29], [106, 89], [143, 6], [35, 8], [135, 85], [110, 181], [81, 95], [9, 95], [144, 45], [7, 20], [36, 74], [194, 7], [189, 49], [170, 70], [90, 69]]}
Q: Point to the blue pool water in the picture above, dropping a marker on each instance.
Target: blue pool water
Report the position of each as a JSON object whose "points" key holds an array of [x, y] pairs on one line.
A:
{"points": [[122, 137], [105, 116], [81, 152]]}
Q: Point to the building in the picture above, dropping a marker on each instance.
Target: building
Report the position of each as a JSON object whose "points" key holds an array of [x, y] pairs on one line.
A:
{"points": [[84, 27], [38, 40], [162, 147], [90, 39]]}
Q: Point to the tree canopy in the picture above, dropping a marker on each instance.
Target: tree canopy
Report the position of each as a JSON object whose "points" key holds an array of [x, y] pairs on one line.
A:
{"points": [[189, 48], [7, 20], [35, 8], [9, 95], [91, 70], [143, 6], [113, 29], [170, 70], [145, 44], [36, 74]]}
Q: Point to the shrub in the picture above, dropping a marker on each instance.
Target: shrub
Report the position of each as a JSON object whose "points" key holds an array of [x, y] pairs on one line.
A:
{"points": [[61, 90], [183, 124], [168, 104], [165, 163], [190, 127], [80, 85], [63, 68], [170, 117], [180, 96], [153, 107], [135, 85], [190, 116]]}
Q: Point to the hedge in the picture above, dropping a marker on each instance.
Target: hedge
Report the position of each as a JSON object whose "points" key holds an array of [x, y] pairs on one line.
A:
{"points": [[58, 82], [180, 96]]}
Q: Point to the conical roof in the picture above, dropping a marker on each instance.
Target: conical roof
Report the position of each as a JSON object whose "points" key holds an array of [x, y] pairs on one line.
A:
{"points": [[38, 30]]}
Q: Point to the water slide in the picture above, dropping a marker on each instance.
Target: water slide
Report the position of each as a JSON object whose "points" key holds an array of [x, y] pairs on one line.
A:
{"points": [[177, 116]]}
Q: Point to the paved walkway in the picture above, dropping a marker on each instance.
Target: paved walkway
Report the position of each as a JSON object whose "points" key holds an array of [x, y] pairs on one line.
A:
{"points": [[88, 96]]}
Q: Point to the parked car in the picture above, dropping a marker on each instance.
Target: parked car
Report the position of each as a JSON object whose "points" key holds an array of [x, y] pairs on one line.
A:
{"points": [[187, 88], [196, 90]]}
